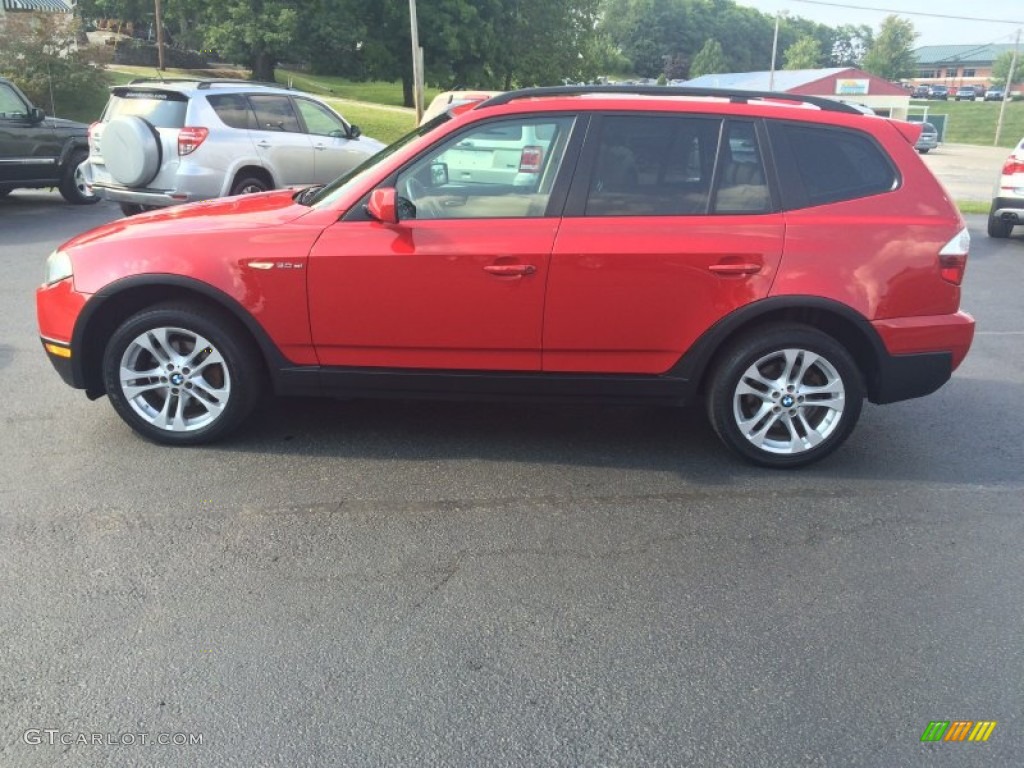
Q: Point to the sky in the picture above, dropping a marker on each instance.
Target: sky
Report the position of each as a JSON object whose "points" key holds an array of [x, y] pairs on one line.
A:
{"points": [[932, 31]]}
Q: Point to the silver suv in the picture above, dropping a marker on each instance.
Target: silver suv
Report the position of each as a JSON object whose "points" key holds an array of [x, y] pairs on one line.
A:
{"points": [[162, 143]]}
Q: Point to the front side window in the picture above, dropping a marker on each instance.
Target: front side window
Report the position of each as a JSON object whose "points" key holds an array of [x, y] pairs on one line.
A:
{"points": [[319, 120], [830, 164], [499, 169], [275, 113], [10, 104]]}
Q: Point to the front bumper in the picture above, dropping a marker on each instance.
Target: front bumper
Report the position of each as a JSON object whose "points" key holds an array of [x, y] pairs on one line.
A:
{"points": [[59, 354]]}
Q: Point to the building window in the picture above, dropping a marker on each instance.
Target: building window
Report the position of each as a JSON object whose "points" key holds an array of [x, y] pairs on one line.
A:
{"points": [[970, 73], [927, 73]]}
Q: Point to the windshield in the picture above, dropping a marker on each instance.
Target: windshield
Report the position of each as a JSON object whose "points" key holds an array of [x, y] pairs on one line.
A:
{"points": [[334, 190]]}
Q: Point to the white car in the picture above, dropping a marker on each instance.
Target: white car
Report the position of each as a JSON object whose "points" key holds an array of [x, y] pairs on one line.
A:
{"points": [[1008, 197], [162, 143]]}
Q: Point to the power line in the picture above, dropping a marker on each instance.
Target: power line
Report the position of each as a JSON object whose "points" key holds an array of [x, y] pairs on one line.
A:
{"points": [[907, 13]]}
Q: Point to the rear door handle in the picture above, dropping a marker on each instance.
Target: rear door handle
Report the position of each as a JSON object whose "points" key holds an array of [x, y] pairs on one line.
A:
{"points": [[735, 269], [510, 270], [263, 144]]}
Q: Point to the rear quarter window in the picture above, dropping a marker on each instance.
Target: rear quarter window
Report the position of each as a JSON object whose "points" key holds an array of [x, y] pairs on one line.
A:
{"points": [[233, 110], [163, 109], [827, 164]]}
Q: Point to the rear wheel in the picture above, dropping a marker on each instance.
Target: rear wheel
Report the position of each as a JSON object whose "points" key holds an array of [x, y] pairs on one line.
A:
{"points": [[133, 209], [249, 185], [785, 397], [73, 186], [923, 151], [998, 227], [181, 375]]}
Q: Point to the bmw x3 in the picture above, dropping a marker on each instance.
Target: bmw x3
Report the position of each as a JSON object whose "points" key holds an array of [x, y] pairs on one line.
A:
{"points": [[779, 259]]}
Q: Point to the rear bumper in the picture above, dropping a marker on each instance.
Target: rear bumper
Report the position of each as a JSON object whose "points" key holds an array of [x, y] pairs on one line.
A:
{"points": [[921, 354], [1008, 209], [141, 196]]}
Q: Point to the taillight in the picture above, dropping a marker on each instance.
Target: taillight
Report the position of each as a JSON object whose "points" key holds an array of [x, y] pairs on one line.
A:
{"points": [[1012, 166], [530, 159], [189, 139], [92, 128], [953, 257]]}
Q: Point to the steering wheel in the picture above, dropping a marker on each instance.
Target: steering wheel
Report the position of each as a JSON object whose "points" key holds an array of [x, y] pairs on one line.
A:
{"points": [[426, 204]]}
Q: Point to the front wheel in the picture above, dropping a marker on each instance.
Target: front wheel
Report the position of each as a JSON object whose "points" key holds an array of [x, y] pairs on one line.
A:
{"points": [[181, 375], [785, 397]]}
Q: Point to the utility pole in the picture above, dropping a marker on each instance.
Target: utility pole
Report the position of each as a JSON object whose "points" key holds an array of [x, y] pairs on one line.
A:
{"points": [[417, 62], [775, 48], [159, 37], [1006, 89]]}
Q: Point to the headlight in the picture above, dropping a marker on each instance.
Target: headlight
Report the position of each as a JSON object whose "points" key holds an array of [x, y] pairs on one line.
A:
{"points": [[58, 267]]}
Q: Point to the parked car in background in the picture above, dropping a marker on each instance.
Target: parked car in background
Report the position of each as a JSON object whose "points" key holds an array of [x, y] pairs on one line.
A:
{"points": [[161, 143], [451, 99], [994, 94], [37, 151], [928, 140], [938, 92], [1007, 209], [662, 250], [966, 93], [919, 92]]}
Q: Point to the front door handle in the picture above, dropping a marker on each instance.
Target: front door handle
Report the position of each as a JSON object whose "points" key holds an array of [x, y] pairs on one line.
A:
{"points": [[510, 270], [735, 269]]}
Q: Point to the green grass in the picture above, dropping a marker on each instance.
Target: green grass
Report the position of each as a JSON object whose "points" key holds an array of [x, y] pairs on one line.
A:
{"points": [[382, 124], [974, 122], [375, 91], [973, 206]]}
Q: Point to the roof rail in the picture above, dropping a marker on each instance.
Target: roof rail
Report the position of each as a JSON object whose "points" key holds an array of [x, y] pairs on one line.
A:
{"points": [[203, 84], [735, 96], [207, 82]]}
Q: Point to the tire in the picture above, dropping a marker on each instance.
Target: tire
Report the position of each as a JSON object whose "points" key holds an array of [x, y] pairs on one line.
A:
{"points": [[785, 396], [73, 186], [250, 185], [923, 151], [182, 375], [134, 209], [997, 227]]}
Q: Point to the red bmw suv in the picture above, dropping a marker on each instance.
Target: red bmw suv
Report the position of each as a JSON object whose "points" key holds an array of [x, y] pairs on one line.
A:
{"points": [[779, 257]]}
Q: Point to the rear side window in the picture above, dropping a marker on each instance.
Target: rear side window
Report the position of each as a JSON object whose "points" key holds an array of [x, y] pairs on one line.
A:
{"points": [[275, 113], [162, 109], [653, 165], [233, 109], [823, 164]]}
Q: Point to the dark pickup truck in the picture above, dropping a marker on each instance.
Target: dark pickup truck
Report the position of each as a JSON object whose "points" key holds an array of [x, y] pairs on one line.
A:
{"points": [[39, 151]]}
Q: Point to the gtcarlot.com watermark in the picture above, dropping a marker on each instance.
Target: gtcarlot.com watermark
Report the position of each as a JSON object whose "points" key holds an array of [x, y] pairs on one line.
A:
{"points": [[55, 736]]}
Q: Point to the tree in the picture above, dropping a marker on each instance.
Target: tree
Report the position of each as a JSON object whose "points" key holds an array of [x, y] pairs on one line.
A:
{"points": [[710, 60], [849, 44], [257, 33], [805, 53], [892, 54], [38, 52], [1001, 70]]}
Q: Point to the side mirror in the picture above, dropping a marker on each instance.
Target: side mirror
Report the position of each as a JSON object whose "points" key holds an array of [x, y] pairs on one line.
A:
{"points": [[382, 205], [438, 174], [36, 115], [354, 132]]}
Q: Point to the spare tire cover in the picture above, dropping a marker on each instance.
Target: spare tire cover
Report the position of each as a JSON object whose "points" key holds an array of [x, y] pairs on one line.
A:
{"points": [[131, 150]]}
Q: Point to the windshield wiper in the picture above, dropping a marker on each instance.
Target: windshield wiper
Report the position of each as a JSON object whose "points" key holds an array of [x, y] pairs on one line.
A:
{"points": [[305, 196]]}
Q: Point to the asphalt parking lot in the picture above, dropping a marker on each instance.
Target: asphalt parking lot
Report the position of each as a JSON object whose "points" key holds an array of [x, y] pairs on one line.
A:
{"points": [[352, 583]]}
